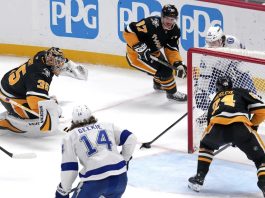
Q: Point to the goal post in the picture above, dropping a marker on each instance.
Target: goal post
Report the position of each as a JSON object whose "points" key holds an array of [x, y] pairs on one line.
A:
{"points": [[205, 66]]}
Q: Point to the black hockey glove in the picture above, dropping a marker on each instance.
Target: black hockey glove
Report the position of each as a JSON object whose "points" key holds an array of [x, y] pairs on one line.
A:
{"points": [[255, 127], [61, 193], [181, 69], [143, 51]]}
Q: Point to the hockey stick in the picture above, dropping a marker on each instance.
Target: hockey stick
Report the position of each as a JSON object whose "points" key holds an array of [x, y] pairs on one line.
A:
{"points": [[18, 105], [148, 144], [223, 148], [19, 156], [162, 62], [9, 100]]}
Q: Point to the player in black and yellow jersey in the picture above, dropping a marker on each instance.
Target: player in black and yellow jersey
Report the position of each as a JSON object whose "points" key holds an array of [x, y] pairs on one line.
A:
{"points": [[29, 83], [229, 122], [147, 37]]}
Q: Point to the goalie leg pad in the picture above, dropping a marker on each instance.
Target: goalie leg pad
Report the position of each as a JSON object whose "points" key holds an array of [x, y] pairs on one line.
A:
{"points": [[25, 127], [47, 122], [49, 117]]}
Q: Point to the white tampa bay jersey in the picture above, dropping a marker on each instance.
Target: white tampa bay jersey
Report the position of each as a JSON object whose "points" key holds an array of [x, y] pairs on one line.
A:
{"points": [[95, 146], [233, 42]]}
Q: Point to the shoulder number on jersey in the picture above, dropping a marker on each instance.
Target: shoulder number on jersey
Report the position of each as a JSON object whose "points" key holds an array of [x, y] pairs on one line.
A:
{"points": [[102, 139], [141, 27]]}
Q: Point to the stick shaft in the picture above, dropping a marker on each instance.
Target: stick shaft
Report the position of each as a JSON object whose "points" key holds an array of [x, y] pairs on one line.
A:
{"points": [[169, 127], [6, 152], [162, 62], [18, 105], [223, 148]]}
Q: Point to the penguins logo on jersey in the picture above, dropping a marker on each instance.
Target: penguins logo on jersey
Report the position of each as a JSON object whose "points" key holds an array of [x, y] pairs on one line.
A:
{"points": [[155, 22], [46, 72]]}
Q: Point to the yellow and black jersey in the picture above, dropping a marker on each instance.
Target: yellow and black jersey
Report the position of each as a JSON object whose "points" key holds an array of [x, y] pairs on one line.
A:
{"points": [[151, 32], [236, 106], [29, 82]]}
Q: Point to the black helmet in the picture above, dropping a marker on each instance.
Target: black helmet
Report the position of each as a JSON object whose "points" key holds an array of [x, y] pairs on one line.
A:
{"points": [[224, 83], [169, 11]]}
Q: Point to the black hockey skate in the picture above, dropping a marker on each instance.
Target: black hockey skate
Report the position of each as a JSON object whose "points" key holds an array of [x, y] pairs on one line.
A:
{"points": [[178, 96], [196, 182], [261, 185], [157, 87]]}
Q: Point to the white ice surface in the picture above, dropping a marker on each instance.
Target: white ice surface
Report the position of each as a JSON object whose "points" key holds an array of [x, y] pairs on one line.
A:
{"points": [[126, 98]]}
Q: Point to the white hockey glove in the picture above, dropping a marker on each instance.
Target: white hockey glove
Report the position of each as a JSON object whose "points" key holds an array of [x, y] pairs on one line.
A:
{"points": [[143, 51], [61, 193], [181, 69], [73, 70]]}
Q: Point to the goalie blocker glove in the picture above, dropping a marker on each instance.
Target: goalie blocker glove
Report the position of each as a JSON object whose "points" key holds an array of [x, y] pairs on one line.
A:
{"points": [[181, 69], [143, 51]]}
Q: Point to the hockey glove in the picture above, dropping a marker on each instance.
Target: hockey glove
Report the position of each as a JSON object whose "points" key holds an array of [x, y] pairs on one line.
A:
{"points": [[181, 69], [255, 127], [143, 51], [61, 193]]}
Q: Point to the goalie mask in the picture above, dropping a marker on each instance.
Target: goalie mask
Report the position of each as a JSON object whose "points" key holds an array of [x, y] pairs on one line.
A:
{"points": [[223, 84], [215, 37], [169, 16], [81, 114], [55, 58]]}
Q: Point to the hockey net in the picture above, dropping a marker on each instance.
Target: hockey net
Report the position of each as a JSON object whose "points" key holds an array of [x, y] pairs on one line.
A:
{"points": [[246, 69]]}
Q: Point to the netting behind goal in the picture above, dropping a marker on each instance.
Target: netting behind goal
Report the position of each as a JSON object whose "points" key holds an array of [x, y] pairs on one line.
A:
{"points": [[246, 69]]}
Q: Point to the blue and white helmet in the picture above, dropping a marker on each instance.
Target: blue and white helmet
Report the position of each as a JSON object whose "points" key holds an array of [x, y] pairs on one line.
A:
{"points": [[80, 114], [215, 36]]}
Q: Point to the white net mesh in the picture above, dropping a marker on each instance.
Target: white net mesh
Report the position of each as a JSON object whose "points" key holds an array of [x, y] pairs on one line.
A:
{"points": [[206, 69]]}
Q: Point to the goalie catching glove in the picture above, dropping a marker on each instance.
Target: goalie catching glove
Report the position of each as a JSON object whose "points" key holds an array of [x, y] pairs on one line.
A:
{"points": [[143, 51], [73, 70], [181, 69]]}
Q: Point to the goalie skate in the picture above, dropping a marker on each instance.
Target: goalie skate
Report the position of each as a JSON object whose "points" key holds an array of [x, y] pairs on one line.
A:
{"points": [[196, 182], [178, 96]]}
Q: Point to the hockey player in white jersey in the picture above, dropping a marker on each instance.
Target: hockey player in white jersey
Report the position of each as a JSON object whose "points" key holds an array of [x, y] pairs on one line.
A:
{"points": [[211, 68], [216, 38], [94, 144]]}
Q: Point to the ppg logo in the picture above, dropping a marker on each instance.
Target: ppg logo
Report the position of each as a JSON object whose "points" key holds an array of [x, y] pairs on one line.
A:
{"points": [[194, 23], [132, 11], [74, 18]]}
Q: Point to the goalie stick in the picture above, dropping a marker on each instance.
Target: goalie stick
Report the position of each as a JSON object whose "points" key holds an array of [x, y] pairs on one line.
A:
{"points": [[18, 105], [20, 155], [148, 144]]}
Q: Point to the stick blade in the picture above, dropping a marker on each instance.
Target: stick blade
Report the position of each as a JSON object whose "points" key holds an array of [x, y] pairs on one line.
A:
{"points": [[146, 145], [24, 156]]}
